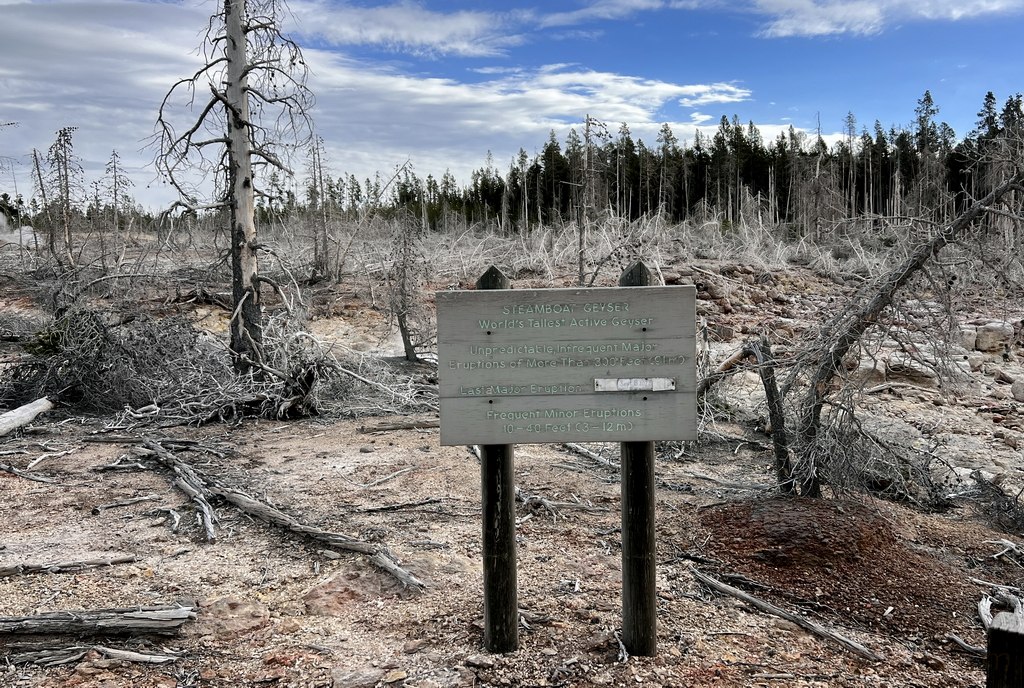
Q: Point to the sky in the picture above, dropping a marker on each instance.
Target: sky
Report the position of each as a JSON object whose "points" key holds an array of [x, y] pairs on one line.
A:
{"points": [[440, 83]]}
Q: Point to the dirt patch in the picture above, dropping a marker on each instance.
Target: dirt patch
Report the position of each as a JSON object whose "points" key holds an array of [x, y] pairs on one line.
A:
{"points": [[842, 560]]}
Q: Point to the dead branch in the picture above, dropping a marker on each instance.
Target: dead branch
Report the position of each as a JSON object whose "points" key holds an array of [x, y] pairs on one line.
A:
{"points": [[727, 483], [124, 502], [56, 656], [400, 506], [384, 388], [725, 368], [967, 647], [23, 415], [24, 474], [806, 624], [160, 620], [205, 487], [65, 566], [1003, 599], [592, 455], [49, 455], [188, 481], [379, 555], [386, 478], [554, 506]]}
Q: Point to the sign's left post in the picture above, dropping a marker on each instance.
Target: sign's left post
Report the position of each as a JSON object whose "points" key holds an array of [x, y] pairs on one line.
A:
{"points": [[497, 462]]}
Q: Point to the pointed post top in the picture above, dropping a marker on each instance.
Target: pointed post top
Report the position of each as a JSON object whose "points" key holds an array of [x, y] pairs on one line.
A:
{"points": [[493, 279], [636, 275]]}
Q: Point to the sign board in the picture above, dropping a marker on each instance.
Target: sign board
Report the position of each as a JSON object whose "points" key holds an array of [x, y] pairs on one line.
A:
{"points": [[567, 365]]}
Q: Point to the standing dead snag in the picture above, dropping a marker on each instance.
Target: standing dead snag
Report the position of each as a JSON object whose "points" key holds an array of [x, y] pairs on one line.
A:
{"points": [[849, 331], [258, 96]]}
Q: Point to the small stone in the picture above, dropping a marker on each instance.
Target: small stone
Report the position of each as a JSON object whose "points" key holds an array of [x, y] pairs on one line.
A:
{"points": [[366, 450], [289, 625], [480, 662], [363, 678], [413, 646]]}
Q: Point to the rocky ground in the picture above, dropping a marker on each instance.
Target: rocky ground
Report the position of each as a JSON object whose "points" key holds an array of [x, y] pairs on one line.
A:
{"points": [[274, 608]]}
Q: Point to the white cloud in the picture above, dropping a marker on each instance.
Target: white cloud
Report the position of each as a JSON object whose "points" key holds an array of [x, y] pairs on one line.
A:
{"points": [[600, 9], [97, 66], [706, 94], [408, 27], [443, 123], [819, 18]]}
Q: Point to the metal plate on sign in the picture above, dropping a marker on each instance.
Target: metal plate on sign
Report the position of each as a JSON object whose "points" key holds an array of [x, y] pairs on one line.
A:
{"points": [[635, 384]]}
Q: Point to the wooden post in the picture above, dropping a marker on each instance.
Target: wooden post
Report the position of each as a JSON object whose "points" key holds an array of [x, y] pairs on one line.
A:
{"points": [[639, 603], [1005, 651], [501, 605]]}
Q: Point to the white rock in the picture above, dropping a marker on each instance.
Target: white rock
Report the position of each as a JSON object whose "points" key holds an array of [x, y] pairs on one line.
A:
{"points": [[1017, 390], [968, 337], [994, 337], [899, 364]]}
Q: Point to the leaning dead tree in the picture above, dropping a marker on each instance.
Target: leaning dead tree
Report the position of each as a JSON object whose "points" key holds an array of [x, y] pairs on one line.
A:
{"points": [[802, 457], [254, 81], [840, 336]]}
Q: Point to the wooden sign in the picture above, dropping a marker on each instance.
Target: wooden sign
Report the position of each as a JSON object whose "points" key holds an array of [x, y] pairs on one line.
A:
{"points": [[567, 365]]}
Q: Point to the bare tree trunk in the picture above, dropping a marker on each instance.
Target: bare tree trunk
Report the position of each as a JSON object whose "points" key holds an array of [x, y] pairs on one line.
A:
{"points": [[321, 257], [780, 442], [246, 322], [849, 332], [51, 237]]}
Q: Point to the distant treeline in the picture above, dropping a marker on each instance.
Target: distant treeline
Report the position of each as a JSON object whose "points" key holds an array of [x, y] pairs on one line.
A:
{"points": [[796, 180]]}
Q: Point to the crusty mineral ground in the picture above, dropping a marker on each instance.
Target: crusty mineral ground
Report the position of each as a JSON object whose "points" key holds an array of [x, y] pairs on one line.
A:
{"points": [[277, 609]]}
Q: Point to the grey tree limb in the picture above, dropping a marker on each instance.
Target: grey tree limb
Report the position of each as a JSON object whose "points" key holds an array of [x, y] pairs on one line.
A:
{"points": [[65, 566]]}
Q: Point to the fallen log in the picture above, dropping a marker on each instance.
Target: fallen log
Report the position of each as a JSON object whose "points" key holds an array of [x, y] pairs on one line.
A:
{"points": [[133, 621], [55, 656], [800, 621], [23, 415], [406, 425], [64, 566]]}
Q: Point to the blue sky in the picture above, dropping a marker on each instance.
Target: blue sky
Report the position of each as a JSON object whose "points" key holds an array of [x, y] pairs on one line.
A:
{"points": [[442, 82]]}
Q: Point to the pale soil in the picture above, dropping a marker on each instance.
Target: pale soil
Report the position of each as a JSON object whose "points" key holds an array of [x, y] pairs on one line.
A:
{"points": [[275, 610]]}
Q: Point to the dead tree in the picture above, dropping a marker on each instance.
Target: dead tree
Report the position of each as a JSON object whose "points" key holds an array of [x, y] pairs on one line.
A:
{"points": [[256, 78], [840, 337]]}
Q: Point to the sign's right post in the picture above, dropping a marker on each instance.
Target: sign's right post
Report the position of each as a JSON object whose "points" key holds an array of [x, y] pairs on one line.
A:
{"points": [[639, 601]]}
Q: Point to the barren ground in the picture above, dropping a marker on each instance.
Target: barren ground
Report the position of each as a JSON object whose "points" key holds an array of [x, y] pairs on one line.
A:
{"points": [[275, 609]]}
